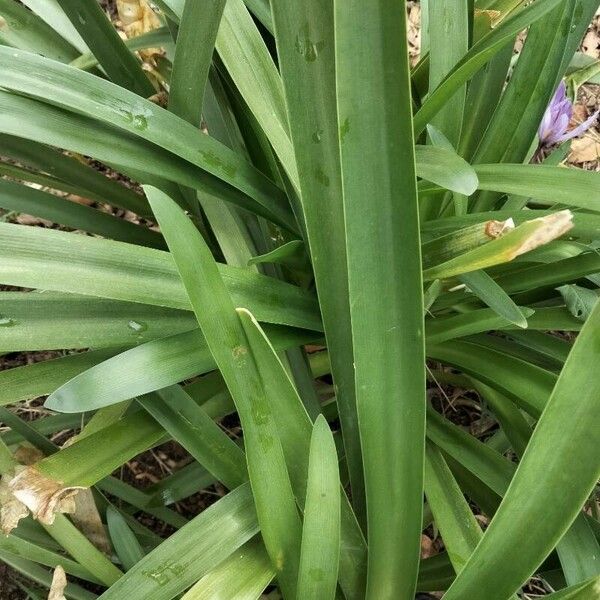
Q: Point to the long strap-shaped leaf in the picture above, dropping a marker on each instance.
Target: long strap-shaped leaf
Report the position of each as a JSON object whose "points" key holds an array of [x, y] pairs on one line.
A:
{"points": [[191, 552], [382, 242], [225, 333], [479, 54], [86, 180], [118, 61], [569, 469], [453, 516], [50, 125], [317, 577], [247, 59], [309, 82], [27, 31], [295, 427], [24, 199], [195, 46], [149, 367], [38, 379], [101, 100], [52, 13], [68, 262], [449, 26], [193, 54], [575, 187], [193, 428], [243, 576], [541, 64]]}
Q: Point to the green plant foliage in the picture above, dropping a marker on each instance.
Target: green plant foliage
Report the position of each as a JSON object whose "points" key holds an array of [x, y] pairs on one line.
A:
{"points": [[345, 287]]}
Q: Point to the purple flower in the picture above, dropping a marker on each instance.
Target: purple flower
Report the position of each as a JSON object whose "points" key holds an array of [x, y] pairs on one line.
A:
{"points": [[554, 125]]}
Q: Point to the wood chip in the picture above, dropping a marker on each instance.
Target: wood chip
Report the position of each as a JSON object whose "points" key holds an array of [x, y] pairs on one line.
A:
{"points": [[585, 149]]}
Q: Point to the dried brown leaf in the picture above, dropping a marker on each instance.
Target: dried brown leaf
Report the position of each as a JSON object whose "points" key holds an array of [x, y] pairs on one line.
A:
{"points": [[59, 583], [550, 227], [43, 496], [585, 149], [11, 509]]}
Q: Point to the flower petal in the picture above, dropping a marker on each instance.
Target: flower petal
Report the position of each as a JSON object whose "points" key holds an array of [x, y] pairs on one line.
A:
{"points": [[580, 129]]}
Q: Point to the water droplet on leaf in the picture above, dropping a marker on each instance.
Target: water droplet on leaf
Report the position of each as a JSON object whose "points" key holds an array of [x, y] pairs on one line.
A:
{"points": [[306, 47], [137, 326]]}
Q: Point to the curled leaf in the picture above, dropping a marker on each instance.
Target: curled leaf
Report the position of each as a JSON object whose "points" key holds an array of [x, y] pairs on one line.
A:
{"points": [[59, 583], [43, 496], [580, 301], [495, 229], [11, 509]]}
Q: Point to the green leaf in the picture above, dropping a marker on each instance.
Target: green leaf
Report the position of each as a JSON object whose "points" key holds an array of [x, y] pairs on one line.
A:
{"points": [[24, 199], [102, 38], [67, 262], [453, 516], [386, 300], [193, 428], [127, 547], [88, 95], [293, 254], [156, 38], [86, 180], [295, 427], [251, 67], [545, 56], [42, 576], [570, 186], [243, 575], [262, 11], [317, 576], [579, 552], [483, 94], [444, 328], [23, 29], [15, 546], [444, 167], [193, 55], [149, 367], [39, 379], [226, 338], [79, 134], [448, 23], [571, 472], [512, 421], [579, 300], [487, 290], [478, 55], [540, 276], [489, 466], [582, 591], [191, 552], [526, 383], [46, 321], [309, 83], [506, 247], [52, 13], [95, 456]]}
